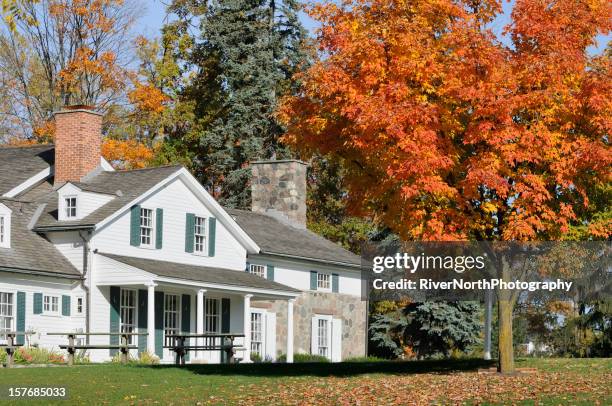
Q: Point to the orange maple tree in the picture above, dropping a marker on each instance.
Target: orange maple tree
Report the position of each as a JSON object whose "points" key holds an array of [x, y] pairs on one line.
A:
{"points": [[448, 133]]}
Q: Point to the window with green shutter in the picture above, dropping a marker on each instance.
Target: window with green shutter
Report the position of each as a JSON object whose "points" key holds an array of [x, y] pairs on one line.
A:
{"points": [[21, 316], [189, 231], [159, 228], [65, 305], [38, 303], [143, 306], [335, 283], [313, 280], [115, 303], [212, 230], [135, 226], [270, 272]]}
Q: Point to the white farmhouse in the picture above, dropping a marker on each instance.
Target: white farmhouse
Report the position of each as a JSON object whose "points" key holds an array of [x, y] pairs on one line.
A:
{"points": [[85, 248]]}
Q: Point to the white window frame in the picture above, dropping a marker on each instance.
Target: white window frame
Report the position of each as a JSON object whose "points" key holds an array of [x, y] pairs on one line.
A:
{"points": [[209, 317], [76, 306], [319, 320], [172, 314], [5, 230], [324, 281], [258, 342], [127, 307], [199, 235], [150, 227], [68, 208], [258, 270], [50, 311], [12, 311]]}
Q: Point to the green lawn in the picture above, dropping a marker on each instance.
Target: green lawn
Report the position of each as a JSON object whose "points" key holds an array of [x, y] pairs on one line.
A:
{"points": [[559, 381]]}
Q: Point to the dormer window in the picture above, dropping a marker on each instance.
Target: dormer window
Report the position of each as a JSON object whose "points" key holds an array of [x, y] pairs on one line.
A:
{"points": [[71, 207], [2, 230]]}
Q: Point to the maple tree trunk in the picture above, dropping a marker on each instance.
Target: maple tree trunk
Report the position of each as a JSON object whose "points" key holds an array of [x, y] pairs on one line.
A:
{"points": [[506, 349]]}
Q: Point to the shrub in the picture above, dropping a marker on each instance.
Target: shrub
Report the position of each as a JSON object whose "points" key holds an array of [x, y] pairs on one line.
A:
{"points": [[300, 357], [366, 359], [34, 355], [144, 358], [256, 358]]}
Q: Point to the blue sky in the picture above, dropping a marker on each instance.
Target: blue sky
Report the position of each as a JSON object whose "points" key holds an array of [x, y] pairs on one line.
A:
{"points": [[155, 12]]}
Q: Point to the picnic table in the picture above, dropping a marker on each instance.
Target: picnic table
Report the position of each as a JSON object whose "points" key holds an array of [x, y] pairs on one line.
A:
{"points": [[181, 344], [123, 346]]}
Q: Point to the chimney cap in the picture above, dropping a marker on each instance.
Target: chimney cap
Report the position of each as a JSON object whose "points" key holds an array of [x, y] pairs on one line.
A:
{"points": [[279, 161], [83, 108]]}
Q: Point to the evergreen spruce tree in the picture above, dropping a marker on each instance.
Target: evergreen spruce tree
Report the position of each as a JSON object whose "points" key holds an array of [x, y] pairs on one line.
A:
{"points": [[247, 51]]}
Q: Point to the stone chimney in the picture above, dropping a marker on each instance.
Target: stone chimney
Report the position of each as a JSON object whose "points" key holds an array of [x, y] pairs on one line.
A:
{"points": [[78, 139], [278, 188]]}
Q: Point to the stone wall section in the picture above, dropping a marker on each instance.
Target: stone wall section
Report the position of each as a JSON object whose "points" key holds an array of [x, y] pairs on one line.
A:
{"points": [[351, 309]]}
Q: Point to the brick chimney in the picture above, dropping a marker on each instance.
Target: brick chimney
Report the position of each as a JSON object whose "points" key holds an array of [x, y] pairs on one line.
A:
{"points": [[278, 188], [78, 138]]}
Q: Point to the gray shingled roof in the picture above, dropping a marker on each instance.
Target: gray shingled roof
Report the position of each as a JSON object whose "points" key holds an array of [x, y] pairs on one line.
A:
{"points": [[30, 252], [276, 237], [131, 184], [200, 273], [18, 164]]}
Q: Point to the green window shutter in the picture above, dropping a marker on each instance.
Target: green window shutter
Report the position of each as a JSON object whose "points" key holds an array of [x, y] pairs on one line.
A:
{"points": [[135, 226], [38, 299], [189, 231], [159, 228], [21, 316], [143, 298], [186, 318], [159, 324], [212, 230], [65, 305], [115, 303], [248, 267], [225, 315], [313, 280], [335, 282], [270, 272]]}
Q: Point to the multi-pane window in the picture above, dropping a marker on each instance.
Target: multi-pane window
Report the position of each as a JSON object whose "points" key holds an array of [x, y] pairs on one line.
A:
{"points": [[323, 337], [2, 229], [200, 235], [128, 312], [79, 305], [211, 316], [171, 315], [6, 314], [323, 281], [50, 304], [71, 207], [146, 227], [258, 270], [257, 333]]}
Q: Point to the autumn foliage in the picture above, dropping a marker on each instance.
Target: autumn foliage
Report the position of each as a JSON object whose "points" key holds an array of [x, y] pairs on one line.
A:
{"points": [[448, 133]]}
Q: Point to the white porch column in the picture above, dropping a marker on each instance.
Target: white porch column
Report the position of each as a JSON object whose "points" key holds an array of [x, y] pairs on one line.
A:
{"points": [[200, 319], [151, 317], [247, 328], [290, 330]]}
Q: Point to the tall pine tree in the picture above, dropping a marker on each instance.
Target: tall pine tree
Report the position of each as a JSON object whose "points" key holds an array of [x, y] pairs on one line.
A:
{"points": [[247, 51]]}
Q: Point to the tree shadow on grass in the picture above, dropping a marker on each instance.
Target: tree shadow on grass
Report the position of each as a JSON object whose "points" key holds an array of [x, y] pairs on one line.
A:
{"points": [[336, 369]]}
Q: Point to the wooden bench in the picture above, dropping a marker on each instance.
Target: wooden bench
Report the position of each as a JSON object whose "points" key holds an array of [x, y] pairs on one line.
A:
{"points": [[225, 344], [124, 348]]}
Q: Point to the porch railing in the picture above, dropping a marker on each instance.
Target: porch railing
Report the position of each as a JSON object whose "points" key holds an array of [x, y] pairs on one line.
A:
{"points": [[182, 343]]}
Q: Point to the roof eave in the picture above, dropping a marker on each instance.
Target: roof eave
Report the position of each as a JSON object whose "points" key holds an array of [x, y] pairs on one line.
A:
{"points": [[319, 260], [64, 228], [38, 272]]}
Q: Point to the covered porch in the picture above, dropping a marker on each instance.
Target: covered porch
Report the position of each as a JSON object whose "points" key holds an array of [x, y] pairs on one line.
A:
{"points": [[164, 298]]}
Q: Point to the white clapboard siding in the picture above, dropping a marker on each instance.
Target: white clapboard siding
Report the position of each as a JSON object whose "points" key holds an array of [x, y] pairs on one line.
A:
{"points": [[41, 323], [176, 200], [70, 244]]}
